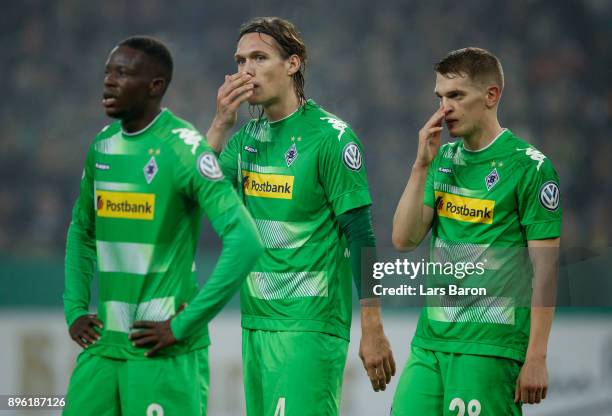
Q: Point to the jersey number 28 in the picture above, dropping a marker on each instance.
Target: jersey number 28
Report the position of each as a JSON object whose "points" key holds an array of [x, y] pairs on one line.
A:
{"points": [[473, 407]]}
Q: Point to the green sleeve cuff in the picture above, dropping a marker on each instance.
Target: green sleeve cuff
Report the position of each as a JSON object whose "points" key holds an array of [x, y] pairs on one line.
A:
{"points": [[543, 230], [73, 316], [177, 325], [351, 200]]}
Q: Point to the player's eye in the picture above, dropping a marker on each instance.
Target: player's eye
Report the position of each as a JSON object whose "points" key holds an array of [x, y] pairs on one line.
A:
{"points": [[259, 58], [240, 61]]}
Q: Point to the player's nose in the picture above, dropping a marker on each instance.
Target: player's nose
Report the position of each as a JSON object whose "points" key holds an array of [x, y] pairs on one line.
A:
{"points": [[109, 80], [443, 104], [248, 68], [446, 106]]}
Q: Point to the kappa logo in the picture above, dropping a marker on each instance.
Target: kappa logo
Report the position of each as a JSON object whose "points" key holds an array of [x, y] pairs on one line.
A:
{"points": [[352, 156], [291, 154], [209, 166], [102, 166], [464, 209], [492, 179], [128, 205], [150, 170], [534, 154], [445, 170], [250, 149], [190, 137], [339, 125], [549, 196]]}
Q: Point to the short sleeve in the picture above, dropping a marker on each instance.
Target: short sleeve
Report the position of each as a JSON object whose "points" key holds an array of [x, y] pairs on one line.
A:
{"points": [[539, 199], [342, 172], [198, 176]]}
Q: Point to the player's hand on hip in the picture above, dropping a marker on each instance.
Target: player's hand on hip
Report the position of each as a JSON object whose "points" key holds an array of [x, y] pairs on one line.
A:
{"points": [[430, 139], [158, 334], [236, 89], [532, 383], [377, 357], [83, 330]]}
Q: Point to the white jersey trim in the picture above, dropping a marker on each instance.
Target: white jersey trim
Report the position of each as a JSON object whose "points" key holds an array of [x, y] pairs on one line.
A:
{"points": [[163, 110], [487, 146]]}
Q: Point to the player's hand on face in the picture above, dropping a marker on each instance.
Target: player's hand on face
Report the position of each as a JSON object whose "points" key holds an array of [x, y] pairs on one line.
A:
{"points": [[377, 357], [83, 331], [236, 89], [430, 138], [158, 334], [532, 383]]}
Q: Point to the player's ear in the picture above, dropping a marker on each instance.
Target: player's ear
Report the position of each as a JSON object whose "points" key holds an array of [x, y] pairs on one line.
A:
{"points": [[293, 64], [493, 96], [157, 87]]}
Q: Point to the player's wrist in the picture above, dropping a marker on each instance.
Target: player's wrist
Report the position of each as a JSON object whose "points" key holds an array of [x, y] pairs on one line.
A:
{"points": [[420, 166], [535, 356], [370, 316], [221, 125]]}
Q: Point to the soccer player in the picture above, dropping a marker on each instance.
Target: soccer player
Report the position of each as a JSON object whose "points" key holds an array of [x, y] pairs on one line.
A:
{"points": [[301, 174], [148, 179], [487, 190]]}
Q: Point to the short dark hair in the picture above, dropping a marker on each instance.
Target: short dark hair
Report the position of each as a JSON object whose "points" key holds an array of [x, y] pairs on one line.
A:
{"points": [[155, 50], [479, 64], [289, 40]]}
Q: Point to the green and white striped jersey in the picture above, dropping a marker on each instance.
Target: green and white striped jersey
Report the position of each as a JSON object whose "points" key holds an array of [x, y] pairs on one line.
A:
{"points": [[295, 176], [487, 204], [141, 200]]}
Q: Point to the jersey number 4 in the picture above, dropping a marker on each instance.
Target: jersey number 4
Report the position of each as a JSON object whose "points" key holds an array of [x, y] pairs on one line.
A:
{"points": [[280, 407], [473, 407], [155, 410]]}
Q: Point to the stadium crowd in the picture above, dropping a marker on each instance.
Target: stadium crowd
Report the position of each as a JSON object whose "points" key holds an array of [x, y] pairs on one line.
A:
{"points": [[370, 63]]}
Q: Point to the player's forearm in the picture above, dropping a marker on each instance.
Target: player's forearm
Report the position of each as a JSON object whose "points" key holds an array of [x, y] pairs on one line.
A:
{"points": [[371, 318], [541, 323], [79, 268], [242, 247], [544, 256], [408, 225], [216, 135]]}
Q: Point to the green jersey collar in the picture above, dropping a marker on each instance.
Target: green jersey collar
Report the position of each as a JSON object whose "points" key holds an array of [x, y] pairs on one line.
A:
{"points": [[490, 145], [158, 117], [291, 116]]}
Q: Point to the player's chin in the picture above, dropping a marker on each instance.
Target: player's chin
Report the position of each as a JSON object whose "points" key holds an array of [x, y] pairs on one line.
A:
{"points": [[252, 100], [454, 133], [113, 112]]}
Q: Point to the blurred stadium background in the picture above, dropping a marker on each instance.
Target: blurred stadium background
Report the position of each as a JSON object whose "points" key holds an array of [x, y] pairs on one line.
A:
{"points": [[370, 63]]}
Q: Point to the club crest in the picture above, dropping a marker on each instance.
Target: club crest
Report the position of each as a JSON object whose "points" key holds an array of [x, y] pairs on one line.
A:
{"points": [[150, 170], [492, 179], [291, 154]]}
